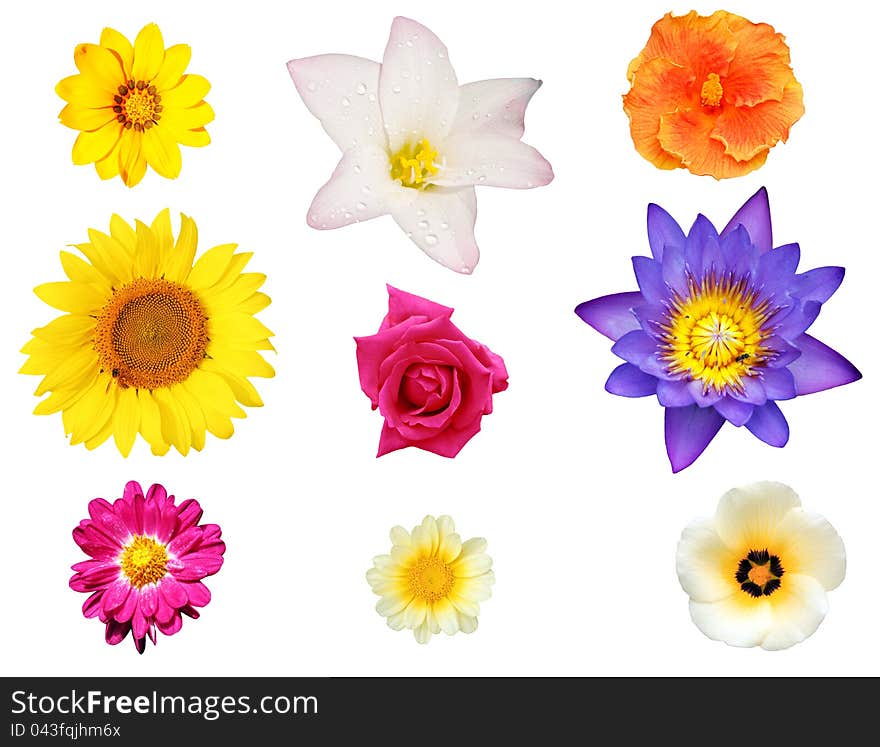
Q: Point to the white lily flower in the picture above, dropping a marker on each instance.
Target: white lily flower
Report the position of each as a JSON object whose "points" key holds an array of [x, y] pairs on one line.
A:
{"points": [[414, 143]]}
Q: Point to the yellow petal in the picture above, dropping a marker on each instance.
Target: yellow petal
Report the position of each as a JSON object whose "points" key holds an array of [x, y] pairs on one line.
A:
{"points": [[175, 424], [189, 92], [149, 53], [78, 117], [176, 59], [194, 414], [210, 390], [220, 425], [197, 138], [179, 262], [151, 423], [76, 298], [211, 266], [240, 362], [126, 420], [77, 366], [92, 412], [233, 270], [132, 165], [242, 389], [238, 327], [123, 233], [234, 294], [109, 256], [93, 146], [188, 119], [100, 66], [108, 166], [102, 436], [146, 258], [82, 90], [68, 327], [116, 42], [161, 152], [255, 304], [82, 272]]}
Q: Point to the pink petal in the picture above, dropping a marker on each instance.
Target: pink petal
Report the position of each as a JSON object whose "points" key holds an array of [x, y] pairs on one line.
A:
{"points": [[132, 489], [115, 596], [149, 600], [128, 607], [418, 90], [403, 305], [171, 626], [441, 223], [92, 606], [188, 515], [494, 106], [190, 612], [172, 592], [108, 522], [115, 632], [342, 92], [198, 594], [164, 611], [197, 566], [359, 189], [492, 161], [183, 542], [139, 624]]}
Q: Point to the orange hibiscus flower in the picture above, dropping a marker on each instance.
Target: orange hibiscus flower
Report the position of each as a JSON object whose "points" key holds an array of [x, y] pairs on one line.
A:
{"points": [[711, 94]]}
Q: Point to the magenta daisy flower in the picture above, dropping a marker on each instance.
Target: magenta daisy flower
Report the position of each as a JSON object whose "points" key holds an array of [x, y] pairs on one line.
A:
{"points": [[148, 558]]}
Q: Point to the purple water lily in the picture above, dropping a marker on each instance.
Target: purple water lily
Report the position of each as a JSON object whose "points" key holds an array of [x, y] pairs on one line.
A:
{"points": [[717, 329]]}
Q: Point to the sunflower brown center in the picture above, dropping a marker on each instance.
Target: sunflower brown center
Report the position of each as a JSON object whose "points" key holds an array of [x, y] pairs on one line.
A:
{"points": [[137, 105], [151, 334], [759, 574], [712, 91], [143, 561], [431, 579]]}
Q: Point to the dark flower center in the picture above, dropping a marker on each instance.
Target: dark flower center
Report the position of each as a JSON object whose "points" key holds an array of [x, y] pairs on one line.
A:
{"points": [[759, 573]]}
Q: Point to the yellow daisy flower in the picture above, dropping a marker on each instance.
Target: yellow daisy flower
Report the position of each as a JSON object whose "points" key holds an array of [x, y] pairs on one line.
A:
{"points": [[133, 105], [150, 343], [432, 581]]}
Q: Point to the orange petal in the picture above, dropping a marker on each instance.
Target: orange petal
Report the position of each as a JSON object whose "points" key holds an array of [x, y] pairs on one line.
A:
{"points": [[701, 44], [747, 130], [687, 134], [761, 67], [659, 88]]}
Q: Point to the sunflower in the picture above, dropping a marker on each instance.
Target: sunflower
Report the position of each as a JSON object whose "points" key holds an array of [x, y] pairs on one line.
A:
{"points": [[133, 105], [150, 343]]}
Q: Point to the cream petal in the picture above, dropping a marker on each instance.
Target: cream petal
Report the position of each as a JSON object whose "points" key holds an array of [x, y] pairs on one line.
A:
{"points": [[399, 536], [797, 613], [446, 525], [395, 622], [496, 106], [441, 223], [450, 547], [422, 633], [477, 588], [811, 546], [415, 612], [418, 90], [360, 188], [429, 524], [737, 620], [391, 604], [472, 565], [465, 606], [749, 517], [446, 616], [474, 546], [489, 160], [467, 623], [431, 621], [706, 566], [342, 92]]}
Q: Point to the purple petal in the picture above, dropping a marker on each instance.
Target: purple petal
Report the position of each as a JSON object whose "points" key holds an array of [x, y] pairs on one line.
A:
{"points": [[674, 393], [740, 255], [688, 432], [785, 353], [611, 315], [701, 232], [819, 367], [663, 231], [703, 397], [628, 380], [734, 411], [713, 258], [769, 424], [753, 391], [650, 315], [674, 274], [755, 217], [649, 275], [634, 347], [799, 320], [817, 285], [779, 383], [778, 266]]}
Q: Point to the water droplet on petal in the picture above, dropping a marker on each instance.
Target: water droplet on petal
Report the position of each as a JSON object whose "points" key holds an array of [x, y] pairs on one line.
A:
{"points": [[404, 74], [357, 169], [423, 224], [420, 212], [431, 239], [395, 89], [311, 85], [360, 89], [441, 54], [409, 42], [366, 190], [475, 116], [482, 178], [465, 270], [346, 101], [444, 225], [372, 97], [362, 206]]}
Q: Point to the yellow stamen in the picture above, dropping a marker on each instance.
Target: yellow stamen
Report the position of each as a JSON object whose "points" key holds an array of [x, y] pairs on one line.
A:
{"points": [[414, 165], [137, 106], [712, 92], [430, 579], [143, 561]]}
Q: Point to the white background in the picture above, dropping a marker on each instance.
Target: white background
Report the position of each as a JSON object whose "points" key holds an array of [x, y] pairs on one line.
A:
{"points": [[570, 485]]}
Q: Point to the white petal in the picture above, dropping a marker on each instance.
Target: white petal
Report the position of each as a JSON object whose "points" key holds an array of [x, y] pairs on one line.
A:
{"points": [[706, 566], [418, 89], [391, 604], [450, 547], [466, 623], [395, 622], [811, 546], [399, 536], [446, 525], [421, 540], [465, 606], [446, 616], [431, 621], [472, 565], [476, 588], [748, 518], [497, 106], [359, 189], [422, 633], [441, 223], [797, 613], [342, 92], [474, 546], [737, 620], [492, 161], [415, 613], [429, 524]]}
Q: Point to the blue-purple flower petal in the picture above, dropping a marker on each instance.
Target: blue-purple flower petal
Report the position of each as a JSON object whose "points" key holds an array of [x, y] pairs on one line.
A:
{"points": [[634, 347], [611, 315], [769, 424], [740, 256], [776, 268], [649, 276], [752, 392], [629, 381], [785, 353], [734, 411], [689, 430], [674, 393], [799, 320], [663, 231], [779, 383], [755, 217], [819, 367], [817, 285], [703, 397], [674, 274], [701, 232]]}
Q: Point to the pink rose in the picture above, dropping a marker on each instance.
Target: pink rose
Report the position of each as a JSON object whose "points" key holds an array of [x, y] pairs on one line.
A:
{"points": [[431, 382]]}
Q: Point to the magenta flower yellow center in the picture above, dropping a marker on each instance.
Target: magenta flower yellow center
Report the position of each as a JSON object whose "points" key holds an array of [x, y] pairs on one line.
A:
{"points": [[430, 579], [414, 165], [151, 334], [143, 561], [718, 333]]}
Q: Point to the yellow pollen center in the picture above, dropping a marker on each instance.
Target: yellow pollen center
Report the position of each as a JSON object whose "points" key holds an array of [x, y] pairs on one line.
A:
{"points": [[143, 561], [137, 105], [151, 334], [712, 92], [414, 165], [430, 579], [717, 334], [760, 574]]}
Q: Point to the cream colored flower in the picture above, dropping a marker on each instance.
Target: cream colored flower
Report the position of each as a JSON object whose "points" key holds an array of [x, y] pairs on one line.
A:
{"points": [[758, 571], [431, 580]]}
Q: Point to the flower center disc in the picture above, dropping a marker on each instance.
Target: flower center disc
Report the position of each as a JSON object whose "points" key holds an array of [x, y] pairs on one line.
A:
{"points": [[137, 105], [716, 335], [414, 165], [759, 574], [431, 579], [143, 561], [151, 334], [712, 91]]}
